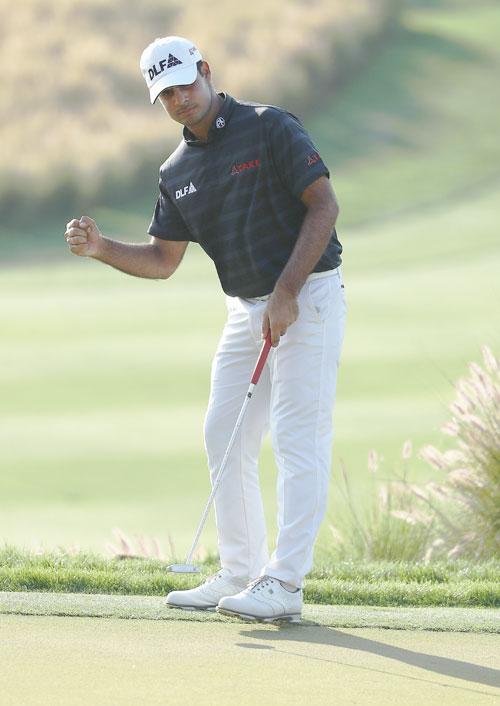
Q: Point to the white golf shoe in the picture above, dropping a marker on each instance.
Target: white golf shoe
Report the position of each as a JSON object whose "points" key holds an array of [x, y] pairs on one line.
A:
{"points": [[206, 596], [265, 600]]}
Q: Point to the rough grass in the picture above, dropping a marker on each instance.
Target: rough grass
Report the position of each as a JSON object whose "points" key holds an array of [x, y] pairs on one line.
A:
{"points": [[378, 584], [77, 118]]}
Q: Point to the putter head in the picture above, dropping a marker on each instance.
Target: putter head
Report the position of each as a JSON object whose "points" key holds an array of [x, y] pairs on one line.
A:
{"points": [[183, 569]]}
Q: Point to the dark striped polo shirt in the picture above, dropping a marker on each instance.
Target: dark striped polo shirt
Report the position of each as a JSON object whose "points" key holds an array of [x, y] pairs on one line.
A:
{"points": [[238, 195]]}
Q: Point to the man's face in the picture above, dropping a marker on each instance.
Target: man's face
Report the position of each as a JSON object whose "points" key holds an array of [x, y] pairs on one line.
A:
{"points": [[189, 104]]}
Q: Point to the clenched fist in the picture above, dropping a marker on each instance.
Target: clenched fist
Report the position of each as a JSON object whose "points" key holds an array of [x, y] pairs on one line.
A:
{"points": [[83, 236]]}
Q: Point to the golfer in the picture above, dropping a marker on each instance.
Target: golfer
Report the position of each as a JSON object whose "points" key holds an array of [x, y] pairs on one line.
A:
{"points": [[248, 185]]}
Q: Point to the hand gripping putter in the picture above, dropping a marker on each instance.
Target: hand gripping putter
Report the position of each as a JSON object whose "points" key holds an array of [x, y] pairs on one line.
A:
{"points": [[189, 568]]}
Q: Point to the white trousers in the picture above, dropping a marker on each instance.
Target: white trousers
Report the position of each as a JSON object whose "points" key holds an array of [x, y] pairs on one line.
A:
{"points": [[293, 399]]}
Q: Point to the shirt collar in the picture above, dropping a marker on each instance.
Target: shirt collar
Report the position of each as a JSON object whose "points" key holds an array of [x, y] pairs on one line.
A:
{"points": [[218, 127]]}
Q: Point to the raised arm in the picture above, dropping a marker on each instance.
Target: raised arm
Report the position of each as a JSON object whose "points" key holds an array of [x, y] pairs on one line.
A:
{"points": [[157, 259]]}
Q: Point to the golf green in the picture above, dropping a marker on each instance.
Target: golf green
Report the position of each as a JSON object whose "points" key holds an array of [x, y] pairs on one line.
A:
{"points": [[63, 660]]}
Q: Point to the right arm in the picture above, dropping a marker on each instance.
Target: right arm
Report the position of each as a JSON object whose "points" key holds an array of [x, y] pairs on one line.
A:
{"points": [[157, 259]]}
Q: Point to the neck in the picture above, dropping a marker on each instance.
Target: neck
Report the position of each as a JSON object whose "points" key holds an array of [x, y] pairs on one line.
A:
{"points": [[201, 129]]}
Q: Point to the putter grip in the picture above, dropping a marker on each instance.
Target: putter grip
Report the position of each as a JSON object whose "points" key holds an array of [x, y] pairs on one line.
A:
{"points": [[262, 359]]}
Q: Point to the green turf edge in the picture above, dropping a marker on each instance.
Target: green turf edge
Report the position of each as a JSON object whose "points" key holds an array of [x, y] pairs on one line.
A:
{"points": [[478, 620]]}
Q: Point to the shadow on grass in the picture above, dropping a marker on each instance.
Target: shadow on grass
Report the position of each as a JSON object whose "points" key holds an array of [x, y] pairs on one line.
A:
{"points": [[316, 634]]}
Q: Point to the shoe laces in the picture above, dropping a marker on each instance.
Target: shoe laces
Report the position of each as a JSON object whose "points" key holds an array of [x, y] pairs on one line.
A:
{"points": [[260, 583], [214, 577]]}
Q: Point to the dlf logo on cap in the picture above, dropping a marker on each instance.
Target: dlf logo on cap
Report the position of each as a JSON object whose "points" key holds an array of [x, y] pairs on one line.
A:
{"points": [[169, 61]]}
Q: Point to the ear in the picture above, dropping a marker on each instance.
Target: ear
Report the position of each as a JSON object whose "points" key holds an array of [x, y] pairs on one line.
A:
{"points": [[205, 70]]}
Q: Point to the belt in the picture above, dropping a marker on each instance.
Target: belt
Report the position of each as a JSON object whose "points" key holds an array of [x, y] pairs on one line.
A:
{"points": [[313, 275]]}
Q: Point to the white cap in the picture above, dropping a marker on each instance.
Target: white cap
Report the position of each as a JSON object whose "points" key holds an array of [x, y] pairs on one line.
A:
{"points": [[169, 61]]}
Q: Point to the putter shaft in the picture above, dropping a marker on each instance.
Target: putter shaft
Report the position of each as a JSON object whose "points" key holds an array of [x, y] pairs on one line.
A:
{"points": [[255, 378]]}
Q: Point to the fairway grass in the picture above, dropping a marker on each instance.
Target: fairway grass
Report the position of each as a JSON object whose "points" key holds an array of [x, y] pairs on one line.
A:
{"points": [[418, 129], [105, 378]]}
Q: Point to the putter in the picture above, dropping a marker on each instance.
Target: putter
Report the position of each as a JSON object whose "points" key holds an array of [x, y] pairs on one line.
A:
{"points": [[188, 567]]}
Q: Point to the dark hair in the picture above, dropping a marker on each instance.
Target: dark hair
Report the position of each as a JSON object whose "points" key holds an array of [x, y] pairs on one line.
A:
{"points": [[199, 65]]}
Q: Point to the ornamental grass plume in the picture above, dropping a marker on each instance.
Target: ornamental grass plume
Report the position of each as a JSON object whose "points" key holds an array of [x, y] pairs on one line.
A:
{"points": [[393, 527], [125, 549], [466, 502], [456, 515], [149, 548]]}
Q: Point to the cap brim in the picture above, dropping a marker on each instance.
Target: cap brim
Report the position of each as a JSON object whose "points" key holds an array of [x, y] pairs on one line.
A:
{"points": [[180, 77]]}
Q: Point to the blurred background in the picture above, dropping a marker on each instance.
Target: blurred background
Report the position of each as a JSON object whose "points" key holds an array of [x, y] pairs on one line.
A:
{"points": [[104, 378]]}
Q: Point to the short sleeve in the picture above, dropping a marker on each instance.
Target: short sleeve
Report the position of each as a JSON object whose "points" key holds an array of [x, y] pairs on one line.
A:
{"points": [[294, 154], [167, 222]]}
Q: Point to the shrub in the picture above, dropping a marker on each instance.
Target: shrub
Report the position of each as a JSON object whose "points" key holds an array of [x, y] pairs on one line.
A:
{"points": [[456, 516], [466, 502]]}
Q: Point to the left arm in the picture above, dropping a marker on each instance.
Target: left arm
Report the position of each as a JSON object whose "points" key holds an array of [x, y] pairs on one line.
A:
{"points": [[322, 211]]}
